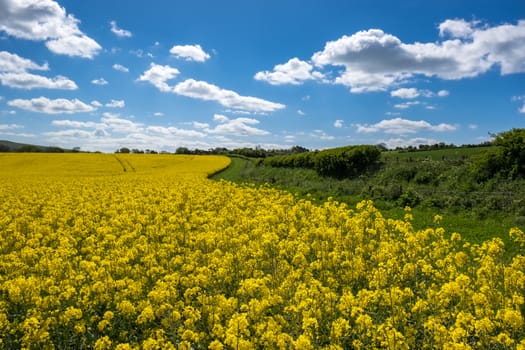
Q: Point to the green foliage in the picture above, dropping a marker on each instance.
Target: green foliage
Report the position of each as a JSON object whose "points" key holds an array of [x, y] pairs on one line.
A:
{"points": [[339, 162], [505, 161]]}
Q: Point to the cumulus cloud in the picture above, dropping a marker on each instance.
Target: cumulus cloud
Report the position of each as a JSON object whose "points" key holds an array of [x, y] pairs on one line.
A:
{"points": [[47, 106], [113, 131], [227, 98], [300, 112], [443, 93], [10, 62], [30, 81], [46, 20], [121, 33], [116, 123], [406, 93], [293, 72], [338, 123], [190, 53], [374, 60], [100, 81], [403, 126], [236, 127], [116, 104], [74, 123], [158, 76], [120, 68], [456, 28], [13, 73]]}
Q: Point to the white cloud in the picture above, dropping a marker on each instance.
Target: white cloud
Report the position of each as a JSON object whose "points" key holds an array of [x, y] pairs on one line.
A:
{"points": [[411, 93], [293, 72], [374, 60], [407, 105], [472, 126], [74, 123], [81, 46], [158, 114], [121, 33], [95, 103], [116, 123], [338, 123], [100, 81], [46, 20], [522, 109], [116, 104], [141, 54], [404, 142], [158, 76], [57, 106], [456, 28], [290, 139], [199, 125], [173, 131], [405, 93], [120, 68], [190, 53], [227, 98], [220, 118], [13, 73], [10, 62], [403, 126], [28, 81], [300, 112], [113, 131], [320, 134], [10, 127], [236, 127]]}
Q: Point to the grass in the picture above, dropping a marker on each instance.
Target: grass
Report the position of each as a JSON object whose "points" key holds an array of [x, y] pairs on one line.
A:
{"points": [[477, 212]]}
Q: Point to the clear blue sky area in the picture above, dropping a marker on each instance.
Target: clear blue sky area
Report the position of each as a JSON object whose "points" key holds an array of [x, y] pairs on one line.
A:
{"points": [[101, 75]]}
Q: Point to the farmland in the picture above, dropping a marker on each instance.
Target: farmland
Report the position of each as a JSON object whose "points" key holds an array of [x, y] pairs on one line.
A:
{"points": [[144, 251]]}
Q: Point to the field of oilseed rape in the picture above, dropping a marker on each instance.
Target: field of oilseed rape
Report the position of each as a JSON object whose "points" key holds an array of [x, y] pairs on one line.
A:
{"points": [[144, 252]]}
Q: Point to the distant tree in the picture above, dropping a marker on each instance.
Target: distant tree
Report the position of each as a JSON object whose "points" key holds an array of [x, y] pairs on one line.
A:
{"points": [[4, 148], [76, 149], [298, 149], [182, 150], [123, 150]]}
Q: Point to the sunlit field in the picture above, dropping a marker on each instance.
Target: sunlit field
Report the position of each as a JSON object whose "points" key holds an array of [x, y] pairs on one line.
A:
{"points": [[132, 251]]}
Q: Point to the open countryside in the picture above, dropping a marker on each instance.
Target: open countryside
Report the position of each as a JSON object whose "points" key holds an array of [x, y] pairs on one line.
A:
{"points": [[122, 251], [238, 175]]}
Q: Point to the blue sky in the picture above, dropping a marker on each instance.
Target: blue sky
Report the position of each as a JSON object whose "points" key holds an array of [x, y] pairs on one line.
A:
{"points": [[101, 75]]}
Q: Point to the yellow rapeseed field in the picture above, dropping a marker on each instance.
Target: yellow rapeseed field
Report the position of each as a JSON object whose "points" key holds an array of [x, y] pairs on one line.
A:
{"points": [[143, 251]]}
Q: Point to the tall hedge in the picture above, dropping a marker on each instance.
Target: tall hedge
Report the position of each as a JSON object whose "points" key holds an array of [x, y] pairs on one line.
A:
{"points": [[335, 162]]}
